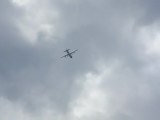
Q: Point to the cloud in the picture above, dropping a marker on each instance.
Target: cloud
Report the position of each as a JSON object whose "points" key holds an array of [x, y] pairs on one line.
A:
{"points": [[37, 21], [114, 74]]}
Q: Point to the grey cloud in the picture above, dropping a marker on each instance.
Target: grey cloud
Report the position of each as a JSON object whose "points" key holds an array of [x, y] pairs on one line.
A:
{"points": [[35, 75], [150, 12], [24, 67]]}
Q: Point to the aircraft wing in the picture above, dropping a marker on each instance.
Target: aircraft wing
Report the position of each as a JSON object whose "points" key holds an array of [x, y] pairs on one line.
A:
{"points": [[64, 56], [74, 51]]}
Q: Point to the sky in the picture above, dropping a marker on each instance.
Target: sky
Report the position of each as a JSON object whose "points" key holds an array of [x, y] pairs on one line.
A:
{"points": [[114, 75]]}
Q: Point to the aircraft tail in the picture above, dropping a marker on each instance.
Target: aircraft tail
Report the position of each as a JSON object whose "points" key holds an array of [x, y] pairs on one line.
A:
{"points": [[66, 50]]}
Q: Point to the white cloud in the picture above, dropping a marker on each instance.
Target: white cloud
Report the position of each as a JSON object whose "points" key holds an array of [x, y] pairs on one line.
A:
{"points": [[22, 2], [11, 110], [38, 20], [93, 101]]}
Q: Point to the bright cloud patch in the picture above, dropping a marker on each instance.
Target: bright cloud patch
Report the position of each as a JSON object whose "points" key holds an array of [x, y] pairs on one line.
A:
{"points": [[93, 101], [21, 2], [37, 21]]}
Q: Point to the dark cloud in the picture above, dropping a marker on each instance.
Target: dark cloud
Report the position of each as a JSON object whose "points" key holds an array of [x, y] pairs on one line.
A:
{"points": [[150, 12]]}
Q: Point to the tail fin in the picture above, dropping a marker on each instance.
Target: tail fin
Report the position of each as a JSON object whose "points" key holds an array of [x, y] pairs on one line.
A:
{"points": [[66, 50]]}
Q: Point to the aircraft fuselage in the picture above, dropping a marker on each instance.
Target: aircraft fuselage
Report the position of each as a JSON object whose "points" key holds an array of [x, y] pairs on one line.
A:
{"points": [[68, 53]]}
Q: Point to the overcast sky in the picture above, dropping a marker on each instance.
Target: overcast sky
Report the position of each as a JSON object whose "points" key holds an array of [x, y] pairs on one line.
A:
{"points": [[113, 76]]}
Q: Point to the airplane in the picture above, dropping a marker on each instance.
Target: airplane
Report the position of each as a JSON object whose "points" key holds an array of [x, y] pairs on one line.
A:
{"points": [[69, 54]]}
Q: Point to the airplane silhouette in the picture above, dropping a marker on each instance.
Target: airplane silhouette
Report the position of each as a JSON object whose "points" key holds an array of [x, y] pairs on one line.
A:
{"points": [[69, 54]]}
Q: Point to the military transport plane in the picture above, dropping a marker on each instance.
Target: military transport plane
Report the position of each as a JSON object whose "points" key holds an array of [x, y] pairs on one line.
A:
{"points": [[69, 54]]}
